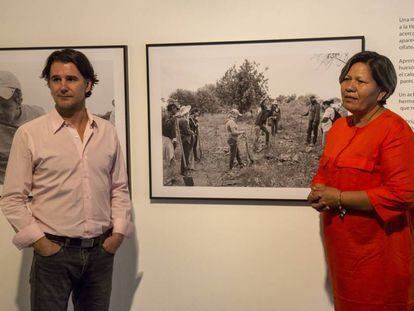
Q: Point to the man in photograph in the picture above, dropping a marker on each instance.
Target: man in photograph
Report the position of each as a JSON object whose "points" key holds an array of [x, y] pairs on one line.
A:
{"points": [[274, 118], [260, 126], [109, 115], [71, 162], [186, 137], [327, 119], [314, 117], [233, 136], [12, 114], [194, 126], [169, 142]]}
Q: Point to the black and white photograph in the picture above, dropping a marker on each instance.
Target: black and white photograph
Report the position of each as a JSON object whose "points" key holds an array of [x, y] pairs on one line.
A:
{"points": [[242, 120], [25, 95]]}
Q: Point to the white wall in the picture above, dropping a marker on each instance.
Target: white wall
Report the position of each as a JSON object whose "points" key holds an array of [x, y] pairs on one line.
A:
{"points": [[197, 256]]}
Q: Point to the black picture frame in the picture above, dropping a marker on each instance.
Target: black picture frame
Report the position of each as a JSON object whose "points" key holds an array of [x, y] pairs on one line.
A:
{"points": [[295, 69]]}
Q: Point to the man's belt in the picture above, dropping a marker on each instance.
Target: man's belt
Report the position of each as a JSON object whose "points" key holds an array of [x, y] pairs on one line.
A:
{"points": [[79, 242]]}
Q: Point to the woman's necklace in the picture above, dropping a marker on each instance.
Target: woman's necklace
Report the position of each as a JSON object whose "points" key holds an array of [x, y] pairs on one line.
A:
{"points": [[372, 114]]}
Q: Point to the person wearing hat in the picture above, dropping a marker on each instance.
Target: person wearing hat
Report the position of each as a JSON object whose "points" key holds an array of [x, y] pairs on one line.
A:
{"points": [[168, 123], [274, 118], [233, 135], [186, 137], [260, 125], [169, 142], [195, 127], [314, 117], [327, 119], [12, 115]]}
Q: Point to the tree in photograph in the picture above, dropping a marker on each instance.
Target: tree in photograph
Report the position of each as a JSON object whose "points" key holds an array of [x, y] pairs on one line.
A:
{"points": [[206, 99], [291, 98], [184, 97], [243, 87]]}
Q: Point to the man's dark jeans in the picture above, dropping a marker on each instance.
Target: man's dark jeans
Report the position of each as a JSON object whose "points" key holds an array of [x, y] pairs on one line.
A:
{"points": [[234, 152], [313, 127], [86, 272], [187, 147]]}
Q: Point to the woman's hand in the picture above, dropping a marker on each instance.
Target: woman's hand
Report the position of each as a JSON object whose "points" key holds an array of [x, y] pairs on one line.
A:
{"points": [[313, 196], [323, 198]]}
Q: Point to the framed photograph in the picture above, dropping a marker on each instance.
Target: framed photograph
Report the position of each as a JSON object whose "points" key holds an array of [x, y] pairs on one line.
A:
{"points": [[109, 98], [235, 120]]}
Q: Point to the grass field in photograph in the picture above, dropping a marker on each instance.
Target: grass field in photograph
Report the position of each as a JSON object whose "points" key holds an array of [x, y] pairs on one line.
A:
{"points": [[288, 162]]}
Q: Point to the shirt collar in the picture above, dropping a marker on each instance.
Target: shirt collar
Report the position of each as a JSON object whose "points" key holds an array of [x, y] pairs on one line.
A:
{"points": [[58, 122]]}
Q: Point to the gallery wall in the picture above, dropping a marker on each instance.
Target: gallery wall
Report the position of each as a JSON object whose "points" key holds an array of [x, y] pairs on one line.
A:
{"points": [[194, 255]]}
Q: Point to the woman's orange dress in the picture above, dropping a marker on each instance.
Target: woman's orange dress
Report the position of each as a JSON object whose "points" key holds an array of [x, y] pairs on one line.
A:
{"points": [[370, 254]]}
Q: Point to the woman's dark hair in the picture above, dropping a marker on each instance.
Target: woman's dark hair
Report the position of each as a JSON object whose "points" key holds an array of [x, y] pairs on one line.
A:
{"points": [[382, 71], [78, 59]]}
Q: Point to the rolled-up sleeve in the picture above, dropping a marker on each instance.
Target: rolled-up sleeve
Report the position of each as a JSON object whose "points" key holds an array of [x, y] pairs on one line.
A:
{"points": [[121, 205], [396, 193], [320, 176], [16, 189]]}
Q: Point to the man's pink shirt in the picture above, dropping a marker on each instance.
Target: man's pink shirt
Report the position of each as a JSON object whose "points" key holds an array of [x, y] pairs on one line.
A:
{"points": [[79, 187]]}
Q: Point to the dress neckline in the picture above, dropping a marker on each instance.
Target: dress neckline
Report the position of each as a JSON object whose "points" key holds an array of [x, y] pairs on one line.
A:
{"points": [[373, 121]]}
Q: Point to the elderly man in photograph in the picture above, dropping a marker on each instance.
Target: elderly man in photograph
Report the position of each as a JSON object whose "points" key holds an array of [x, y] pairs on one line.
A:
{"points": [[12, 115], [66, 193]]}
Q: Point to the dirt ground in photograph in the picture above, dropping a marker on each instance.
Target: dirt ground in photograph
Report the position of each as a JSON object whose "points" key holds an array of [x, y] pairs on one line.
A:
{"points": [[288, 162]]}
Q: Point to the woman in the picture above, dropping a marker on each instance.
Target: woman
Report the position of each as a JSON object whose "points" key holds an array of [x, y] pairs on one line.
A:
{"points": [[364, 189]]}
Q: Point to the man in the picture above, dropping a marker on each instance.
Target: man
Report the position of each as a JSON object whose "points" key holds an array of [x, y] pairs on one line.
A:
{"points": [[327, 119], [169, 142], [260, 128], [12, 115], [71, 162], [194, 126], [233, 135], [168, 122], [314, 116], [186, 138], [274, 118]]}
